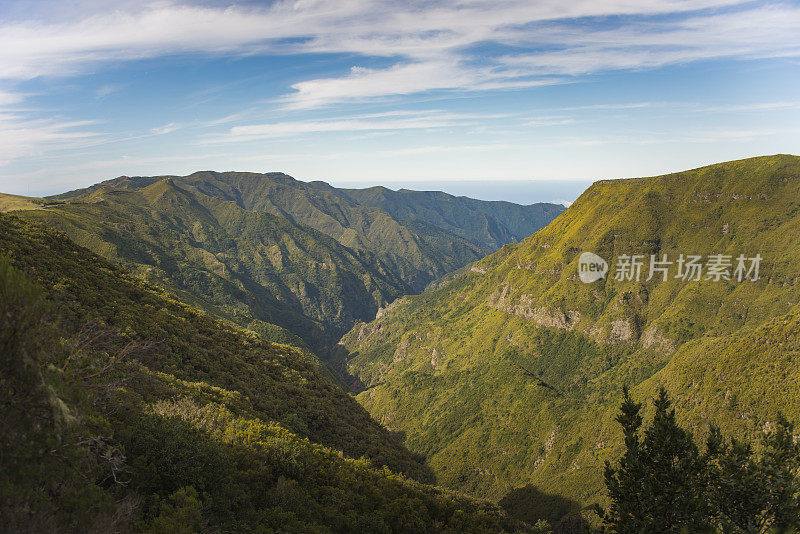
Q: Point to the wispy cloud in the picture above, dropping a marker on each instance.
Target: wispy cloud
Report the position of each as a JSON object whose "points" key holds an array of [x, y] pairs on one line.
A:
{"points": [[549, 121], [9, 99], [106, 90], [433, 43], [165, 129], [689, 107], [386, 51], [710, 136], [757, 106], [760, 32], [442, 149], [20, 136], [373, 123]]}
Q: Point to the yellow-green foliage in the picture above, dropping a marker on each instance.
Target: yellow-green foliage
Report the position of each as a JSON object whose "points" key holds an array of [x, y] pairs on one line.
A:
{"points": [[16, 202], [509, 375], [278, 380], [52, 459]]}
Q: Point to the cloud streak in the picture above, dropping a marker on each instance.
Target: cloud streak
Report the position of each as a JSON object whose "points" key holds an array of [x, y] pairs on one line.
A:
{"points": [[23, 137], [435, 46], [374, 123], [390, 52]]}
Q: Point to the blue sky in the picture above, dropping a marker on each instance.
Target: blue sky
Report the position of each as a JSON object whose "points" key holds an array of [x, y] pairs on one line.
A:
{"points": [[458, 95]]}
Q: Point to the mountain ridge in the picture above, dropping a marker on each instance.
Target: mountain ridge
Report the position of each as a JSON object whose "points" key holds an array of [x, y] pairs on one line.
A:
{"points": [[266, 251], [521, 356], [315, 204]]}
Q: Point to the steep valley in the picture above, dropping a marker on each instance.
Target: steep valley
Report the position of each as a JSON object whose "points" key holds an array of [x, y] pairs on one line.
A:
{"points": [[203, 309], [284, 258], [508, 377], [127, 410]]}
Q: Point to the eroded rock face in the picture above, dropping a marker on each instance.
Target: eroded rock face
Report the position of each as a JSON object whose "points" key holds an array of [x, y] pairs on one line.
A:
{"points": [[435, 359], [401, 352], [621, 330], [556, 318], [652, 337], [384, 310], [367, 329], [618, 331], [525, 308]]}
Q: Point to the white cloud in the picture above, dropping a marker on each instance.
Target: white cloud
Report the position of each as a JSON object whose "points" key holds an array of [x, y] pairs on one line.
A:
{"points": [[441, 149], [361, 83], [432, 44], [9, 99], [759, 106], [446, 46], [549, 121], [20, 136], [106, 89], [772, 31], [165, 129], [379, 122], [712, 136]]}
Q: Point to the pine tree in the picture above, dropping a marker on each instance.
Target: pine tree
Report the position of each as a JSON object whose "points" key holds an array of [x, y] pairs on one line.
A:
{"points": [[625, 483], [737, 494], [659, 484], [663, 483]]}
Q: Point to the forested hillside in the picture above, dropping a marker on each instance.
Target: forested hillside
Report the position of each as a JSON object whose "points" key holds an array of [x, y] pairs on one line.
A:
{"points": [[252, 267], [278, 256], [421, 235], [124, 409], [508, 377]]}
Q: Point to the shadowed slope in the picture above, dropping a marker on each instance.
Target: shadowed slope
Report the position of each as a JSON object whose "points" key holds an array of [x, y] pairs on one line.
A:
{"points": [[125, 409]]}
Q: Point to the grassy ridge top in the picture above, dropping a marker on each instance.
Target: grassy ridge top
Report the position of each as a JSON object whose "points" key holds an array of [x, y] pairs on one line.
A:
{"points": [[420, 235], [522, 357], [16, 202]]}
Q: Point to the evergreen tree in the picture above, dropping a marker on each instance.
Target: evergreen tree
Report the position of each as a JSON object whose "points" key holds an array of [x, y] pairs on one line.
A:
{"points": [[625, 483], [780, 466], [659, 483], [737, 494], [756, 494], [664, 484]]}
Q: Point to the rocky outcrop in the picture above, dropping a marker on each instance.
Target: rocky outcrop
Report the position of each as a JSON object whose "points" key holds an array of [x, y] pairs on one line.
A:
{"points": [[524, 307], [652, 338]]}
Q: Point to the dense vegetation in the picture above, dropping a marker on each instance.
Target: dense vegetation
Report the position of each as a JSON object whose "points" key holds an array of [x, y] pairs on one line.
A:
{"points": [[504, 375], [255, 269], [521, 357], [664, 484], [277, 256], [124, 409], [418, 235], [489, 225]]}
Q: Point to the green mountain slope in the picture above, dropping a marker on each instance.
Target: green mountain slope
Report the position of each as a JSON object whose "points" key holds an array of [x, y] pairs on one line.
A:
{"points": [[124, 409], [252, 267], [488, 224], [16, 202], [508, 377], [280, 257], [419, 236]]}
